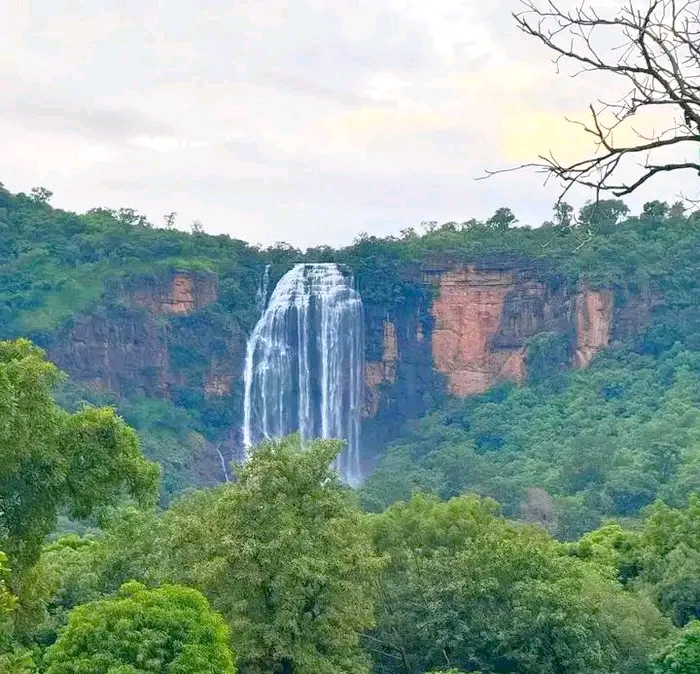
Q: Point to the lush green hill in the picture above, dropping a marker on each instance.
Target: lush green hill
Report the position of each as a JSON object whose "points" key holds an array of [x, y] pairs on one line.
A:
{"points": [[601, 442], [153, 322]]}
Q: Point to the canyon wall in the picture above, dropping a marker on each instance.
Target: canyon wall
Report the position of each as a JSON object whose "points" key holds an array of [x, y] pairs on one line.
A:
{"points": [[153, 336], [475, 330], [460, 329], [467, 333], [485, 316]]}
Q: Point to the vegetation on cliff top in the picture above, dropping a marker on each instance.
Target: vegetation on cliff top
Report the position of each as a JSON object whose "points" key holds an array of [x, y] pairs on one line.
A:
{"points": [[54, 265]]}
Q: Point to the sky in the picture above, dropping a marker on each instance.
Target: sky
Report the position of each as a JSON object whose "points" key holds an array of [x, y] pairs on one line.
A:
{"points": [[305, 121]]}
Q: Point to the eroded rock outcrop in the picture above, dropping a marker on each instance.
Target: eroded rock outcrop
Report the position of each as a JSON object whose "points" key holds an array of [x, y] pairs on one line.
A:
{"points": [[485, 314], [594, 323], [382, 371], [180, 294], [468, 312], [149, 338], [218, 385]]}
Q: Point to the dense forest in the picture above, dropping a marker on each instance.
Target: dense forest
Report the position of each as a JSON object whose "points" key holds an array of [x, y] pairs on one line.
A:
{"points": [[543, 522], [282, 571], [550, 526]]}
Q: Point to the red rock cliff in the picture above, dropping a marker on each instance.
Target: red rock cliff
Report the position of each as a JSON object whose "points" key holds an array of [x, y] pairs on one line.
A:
{"points": [[128, 346], [594, 322], [382, 371], [468, 312], [483, 318], [184, 293]]}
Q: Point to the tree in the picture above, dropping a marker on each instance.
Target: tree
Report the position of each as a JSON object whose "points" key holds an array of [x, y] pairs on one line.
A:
{"points": [[502, 219], [41, 195], [13, 659], [170, 219], [285, 556], [50, 459], [653, 51], [167, 630], [563, 214], [602, 215], [464, 588], [7, 600], [668, 559], [132, 218], [682, 655]]}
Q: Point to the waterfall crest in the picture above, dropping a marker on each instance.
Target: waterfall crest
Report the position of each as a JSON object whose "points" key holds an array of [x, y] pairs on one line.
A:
{"points": [[304, 362]]}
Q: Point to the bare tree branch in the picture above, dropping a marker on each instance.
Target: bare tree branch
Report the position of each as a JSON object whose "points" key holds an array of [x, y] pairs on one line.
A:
{"points": [[656, 49]]}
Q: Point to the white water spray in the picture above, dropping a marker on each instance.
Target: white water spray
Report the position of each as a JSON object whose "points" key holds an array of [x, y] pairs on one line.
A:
{"points": [[304, 363]]}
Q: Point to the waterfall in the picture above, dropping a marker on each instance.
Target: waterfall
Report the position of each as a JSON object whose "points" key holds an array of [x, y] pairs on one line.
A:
{"points": [[261, 294], [304, 363]]}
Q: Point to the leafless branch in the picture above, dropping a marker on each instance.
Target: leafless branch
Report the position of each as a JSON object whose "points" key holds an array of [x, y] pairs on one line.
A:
{"points": [[657, 51]]}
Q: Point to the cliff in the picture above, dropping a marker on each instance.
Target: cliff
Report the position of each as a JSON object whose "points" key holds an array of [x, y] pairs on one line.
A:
{"points": [[117, 304], [466, 328], [476, 328], [155, 336], [485, 316]]}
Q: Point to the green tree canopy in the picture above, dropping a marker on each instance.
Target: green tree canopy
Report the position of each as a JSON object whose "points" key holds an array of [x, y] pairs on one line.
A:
{"points": [[466, 589], [665, 559], [50, 459], [7, 601], [682, 655], [285, 556], [168, 630]]}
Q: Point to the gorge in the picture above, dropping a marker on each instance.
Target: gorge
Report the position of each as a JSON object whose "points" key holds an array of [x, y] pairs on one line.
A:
{"points": [[318, 363], [160, 323]]}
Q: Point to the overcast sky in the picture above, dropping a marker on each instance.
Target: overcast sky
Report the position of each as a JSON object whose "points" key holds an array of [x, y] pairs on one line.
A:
{"points": [[307, 121]]}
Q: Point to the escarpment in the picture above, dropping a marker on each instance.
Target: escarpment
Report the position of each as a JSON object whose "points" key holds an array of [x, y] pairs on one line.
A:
{"points": [[152, 336], [474, 330], [463, 329]]}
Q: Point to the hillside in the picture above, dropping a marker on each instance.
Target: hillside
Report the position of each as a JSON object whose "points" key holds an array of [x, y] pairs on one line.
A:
{"points": [[499, 357]]}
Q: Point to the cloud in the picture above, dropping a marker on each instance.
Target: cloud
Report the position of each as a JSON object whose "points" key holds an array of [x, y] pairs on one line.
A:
{"points": [[304, 120], [88, 121]]}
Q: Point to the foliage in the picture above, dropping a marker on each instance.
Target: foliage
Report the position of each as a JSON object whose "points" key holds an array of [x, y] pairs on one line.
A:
{"points": [[7, 600], [605, 441], [55, 266], [284, 556], [170, 629], [465, 588], [305, 580], [18, 661], [666, 560], [682, 655], [170, 435], [12, 659], [292, 565], [659, 558], [51, 459]]}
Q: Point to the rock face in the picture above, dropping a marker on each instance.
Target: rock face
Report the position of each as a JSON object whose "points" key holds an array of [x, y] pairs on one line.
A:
{"points": [[484, 316], [152, 338], [468, 313], [399, 374], [181, 294], [471, 331], [382, 371], [458, 329], [121, 350], [594, 321]]}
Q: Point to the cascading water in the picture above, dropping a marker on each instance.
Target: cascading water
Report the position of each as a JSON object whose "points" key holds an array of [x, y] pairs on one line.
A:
{"points": [[261, 295], [304, 363]]}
